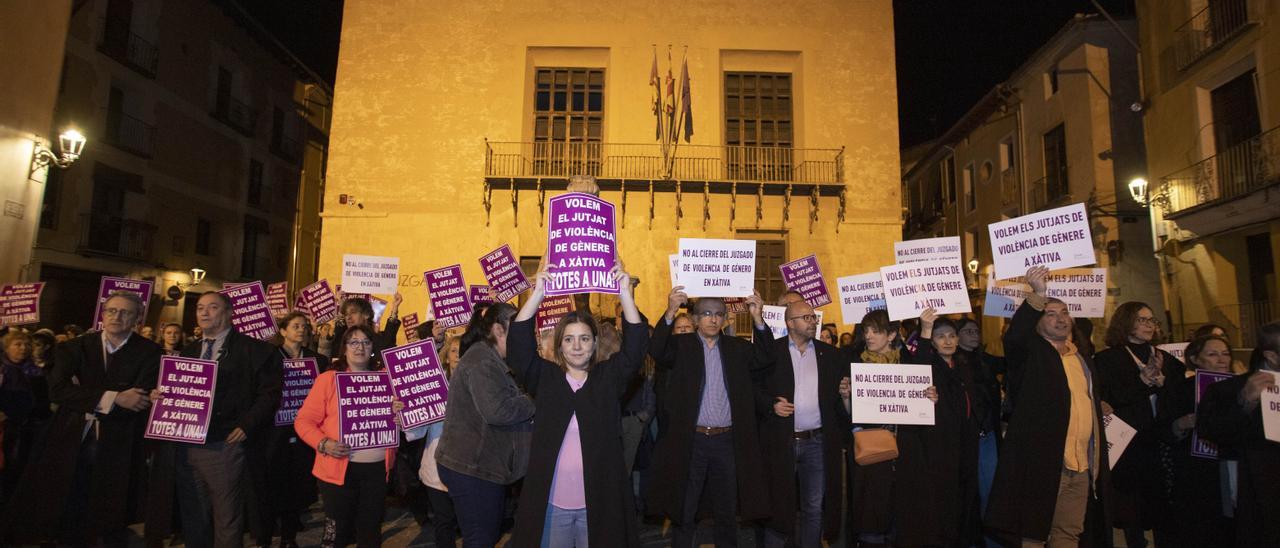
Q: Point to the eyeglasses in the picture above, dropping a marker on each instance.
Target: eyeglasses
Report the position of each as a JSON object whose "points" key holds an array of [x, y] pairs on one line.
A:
{"points": [[805, 317], [1147, 321], [357, 343], [969, 331], [710, 313], [121, 312]]}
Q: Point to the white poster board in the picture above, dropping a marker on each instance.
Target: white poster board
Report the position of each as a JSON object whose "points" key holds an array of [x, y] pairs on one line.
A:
{"points": [[370, 274], [717, 268], [1004, 297], [674, 262], [1119, 434], [776, 318], [1177, 350], [912, 288], [860, 294], [1058, 238], [946, 248], [890, 393], [1271, 409]]}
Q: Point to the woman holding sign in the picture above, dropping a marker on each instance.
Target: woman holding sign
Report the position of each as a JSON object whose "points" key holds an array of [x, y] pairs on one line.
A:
{"points": [[577, 491]]}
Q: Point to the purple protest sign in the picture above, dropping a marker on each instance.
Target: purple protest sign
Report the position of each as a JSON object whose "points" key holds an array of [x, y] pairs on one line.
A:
{"points": [[320, 302], [299, 375], [1201, 448], [448, 291], [183, 414], [805, 277], [278, 298], [581, 247], [480, 294], [250, 314], [111, 284], [410, 324], [365, 418], [503, 273], [418, 381], [552, 309], [20, 303]]}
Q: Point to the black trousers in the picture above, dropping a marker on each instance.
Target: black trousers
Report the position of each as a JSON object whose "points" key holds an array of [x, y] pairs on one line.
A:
{"points": [[713, 477], [356, 506], [444, 521]]}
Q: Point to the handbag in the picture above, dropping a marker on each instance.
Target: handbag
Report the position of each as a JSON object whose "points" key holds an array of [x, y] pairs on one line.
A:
{"points": [[874, 445]]}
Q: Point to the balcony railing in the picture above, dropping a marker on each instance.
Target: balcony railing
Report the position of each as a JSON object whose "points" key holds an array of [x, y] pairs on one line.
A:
{"points": [[1235, 172], [1009, 192], [1208, 29], [129, 134], [116, 236], [636, 162], [129, 49], [234, 113], [1240, 320], [1046, 192]]}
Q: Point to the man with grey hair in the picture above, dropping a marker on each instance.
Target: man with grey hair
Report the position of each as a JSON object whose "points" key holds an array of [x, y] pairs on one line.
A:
{"points": [[711, 446], [76, 490]]}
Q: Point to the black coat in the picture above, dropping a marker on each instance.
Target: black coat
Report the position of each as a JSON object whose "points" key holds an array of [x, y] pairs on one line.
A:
{"points": [[1195, 518], [1239, 435], [1025, 488], [776, 433], [246, 397], [77, 382], [598, 407], [681, 357]]}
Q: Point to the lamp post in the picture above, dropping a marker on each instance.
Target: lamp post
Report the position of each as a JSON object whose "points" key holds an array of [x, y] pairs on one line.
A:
{"points": [[70, 144], [1138, 189]]}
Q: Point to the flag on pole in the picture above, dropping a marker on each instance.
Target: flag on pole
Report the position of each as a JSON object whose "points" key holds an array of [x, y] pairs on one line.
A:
{"points": [[670, 101], [686, 102], [656, 81]]}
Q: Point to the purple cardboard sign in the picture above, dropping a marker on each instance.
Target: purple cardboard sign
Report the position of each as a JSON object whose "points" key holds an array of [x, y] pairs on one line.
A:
{"points": [[250, 314], [448, 291], [365, 418], [183, 414], [581, 245], [502, 270], [1201, 448], [299, 375], [418, 381], [805, 277], [320, 302], [410, 324], [480, 294], [20, 303], [552, 309], [278, 298], [111, 284]]}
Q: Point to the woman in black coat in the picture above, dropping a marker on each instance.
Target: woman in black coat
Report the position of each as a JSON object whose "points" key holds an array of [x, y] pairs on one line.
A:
{"points": [[576, 491], [1131, 374]]}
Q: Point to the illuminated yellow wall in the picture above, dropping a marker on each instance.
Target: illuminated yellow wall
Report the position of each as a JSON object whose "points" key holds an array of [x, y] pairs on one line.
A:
{"points": [[421, 85]]}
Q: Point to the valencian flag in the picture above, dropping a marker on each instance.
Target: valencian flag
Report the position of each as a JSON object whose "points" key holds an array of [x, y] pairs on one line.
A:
{"points": [[656, 82], [686, 102], [670, 101]]}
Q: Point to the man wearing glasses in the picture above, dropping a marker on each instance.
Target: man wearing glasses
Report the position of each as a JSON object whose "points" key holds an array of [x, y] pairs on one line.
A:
{"points": [[711, 445], [208, 477]]}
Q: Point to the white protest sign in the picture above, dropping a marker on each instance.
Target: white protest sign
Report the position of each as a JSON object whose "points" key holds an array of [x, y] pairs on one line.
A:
{"points": [[1177, 350], [859, 295], [946, 248], [776, 318], [369, 274], [912, 288], [1271, 408], [1004, 297], [674, 262], [717, 268], [1119, 434], [889, 393], [1057, 238], [1083, 289]]}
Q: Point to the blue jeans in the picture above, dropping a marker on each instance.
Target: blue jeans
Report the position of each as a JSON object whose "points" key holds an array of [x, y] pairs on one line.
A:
{"points": [[478, 504], [987, 457], [810, 488], [564, 528]]}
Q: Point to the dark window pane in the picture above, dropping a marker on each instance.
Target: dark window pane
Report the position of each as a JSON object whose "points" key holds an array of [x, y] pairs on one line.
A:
{"points": [[579, 101], [596, 101], [542, 100], [560, 101]]}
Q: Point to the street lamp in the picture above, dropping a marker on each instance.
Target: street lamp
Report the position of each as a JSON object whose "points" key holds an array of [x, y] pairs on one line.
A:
{"points": [[1138, 189], [70, 144], [973, 266]]}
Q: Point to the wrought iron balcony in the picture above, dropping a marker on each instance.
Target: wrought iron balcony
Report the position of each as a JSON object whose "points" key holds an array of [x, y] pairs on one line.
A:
{"points": [[1208, 29], [1047, 192], [129, 134], [116, 236], [129, 49], [236, 114], [1247, 167], [1009, 191]]}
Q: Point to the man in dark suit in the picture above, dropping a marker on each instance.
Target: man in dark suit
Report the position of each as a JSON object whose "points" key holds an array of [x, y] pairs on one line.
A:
{"points": [[209, 478], [803, 430], [78, 489], [712, 440]]}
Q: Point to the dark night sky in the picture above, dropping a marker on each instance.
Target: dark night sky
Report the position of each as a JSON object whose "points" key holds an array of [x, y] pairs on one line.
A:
{"points": [[950, 52]]}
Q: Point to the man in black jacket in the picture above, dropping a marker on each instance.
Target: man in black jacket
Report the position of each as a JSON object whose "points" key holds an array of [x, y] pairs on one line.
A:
{"points": [[209, 477]]}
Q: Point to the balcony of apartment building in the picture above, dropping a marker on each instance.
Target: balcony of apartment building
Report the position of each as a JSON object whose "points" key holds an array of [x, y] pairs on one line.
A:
{"points": [[286, 147], [1209, 29], [1208, 196], [1010, 192], [1048, 192], [120, 43], [235, 113], [128, 133], [116, 236]]}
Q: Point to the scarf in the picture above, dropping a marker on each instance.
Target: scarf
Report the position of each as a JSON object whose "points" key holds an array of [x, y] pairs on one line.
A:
{"points": [[892, 356]]}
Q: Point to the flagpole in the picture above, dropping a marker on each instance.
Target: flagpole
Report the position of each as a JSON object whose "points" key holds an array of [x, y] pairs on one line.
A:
{"points": [[679, 124]]}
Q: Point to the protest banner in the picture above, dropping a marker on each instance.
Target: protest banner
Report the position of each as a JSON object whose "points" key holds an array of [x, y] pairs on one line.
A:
{"points": [[250, 315], [736, 305], [776, 318], [1004, 297], [1118, 434], [183, 413], [503, 273], [1177, 350], [365, 418], [673, 262], [299, 375], [111, 284], [370, 274], [1084, 290], [448, 292], [480, 294], [1058, 238], [320, 302], [20, 303], [1271, 408], [890, 393], [860, 294], [418, 381], [912, 288], [946, 248], [278, 299], [717, 268], [233, 285], [552, 309], [581, 245], [1204, 379], [410, 324], [804, 276]]}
